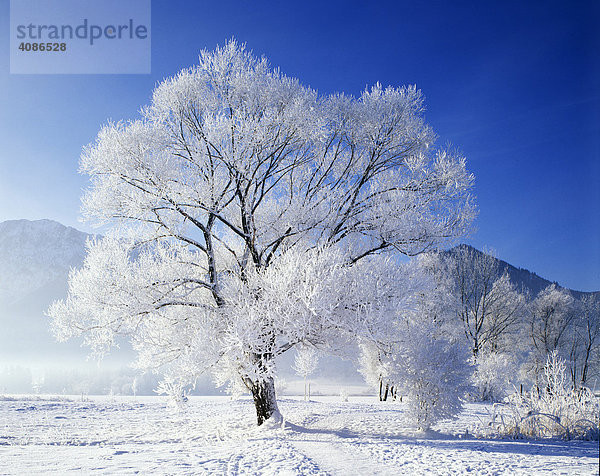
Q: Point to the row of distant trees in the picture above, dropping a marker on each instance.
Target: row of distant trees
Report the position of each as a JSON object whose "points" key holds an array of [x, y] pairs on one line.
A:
{"points": [[510, 333], [15, 379]]}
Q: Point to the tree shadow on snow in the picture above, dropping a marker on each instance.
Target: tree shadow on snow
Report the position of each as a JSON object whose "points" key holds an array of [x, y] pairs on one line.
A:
{"points": [[441, 441]]}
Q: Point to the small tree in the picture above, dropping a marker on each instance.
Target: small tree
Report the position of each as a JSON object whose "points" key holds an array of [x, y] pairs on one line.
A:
{"points": [[551, 318], [488, 305], [493, 376], [420, 352], [434, 372], [585, 348], [305, 363], [135, 385], [373, 367], [248, 215]]}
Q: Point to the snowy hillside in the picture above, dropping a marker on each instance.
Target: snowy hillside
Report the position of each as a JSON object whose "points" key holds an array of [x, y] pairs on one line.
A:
{"points": [[35, 255], [35, 259], [522, 278]]}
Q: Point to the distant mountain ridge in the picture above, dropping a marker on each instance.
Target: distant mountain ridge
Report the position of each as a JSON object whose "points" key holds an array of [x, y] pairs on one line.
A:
{"points": [[523, 278], [35, 260], [35, 255]]}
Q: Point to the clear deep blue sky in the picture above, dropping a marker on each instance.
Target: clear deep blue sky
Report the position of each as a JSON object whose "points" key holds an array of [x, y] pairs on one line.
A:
{"points": [[515, 85]]}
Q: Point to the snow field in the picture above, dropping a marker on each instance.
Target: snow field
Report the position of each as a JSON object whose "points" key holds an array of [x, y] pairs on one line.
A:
{"points": [[216, 435]]}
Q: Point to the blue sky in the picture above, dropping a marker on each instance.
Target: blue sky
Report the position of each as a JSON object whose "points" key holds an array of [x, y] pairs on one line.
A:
{"points": [[514, 85]]}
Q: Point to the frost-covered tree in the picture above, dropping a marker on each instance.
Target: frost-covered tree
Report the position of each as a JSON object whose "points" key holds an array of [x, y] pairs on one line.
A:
{"points": [[373, 366], [494, 374], [434, 373], [427, 366], [306, 362], [585, 353], [489, 306], [581, 343], [420, 350], [249, 215], [551, 326]]}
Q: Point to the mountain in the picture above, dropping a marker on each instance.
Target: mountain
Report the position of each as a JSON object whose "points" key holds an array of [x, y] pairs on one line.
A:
{"points": [[37, 256], [523, 279], [35, 259]]}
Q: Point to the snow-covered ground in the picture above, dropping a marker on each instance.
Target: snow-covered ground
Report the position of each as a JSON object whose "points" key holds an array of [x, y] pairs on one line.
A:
{"points": [[216, 435]]}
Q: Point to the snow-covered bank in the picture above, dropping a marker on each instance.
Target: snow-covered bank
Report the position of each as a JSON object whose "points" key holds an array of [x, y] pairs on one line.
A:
{"points": [[125, 435]]}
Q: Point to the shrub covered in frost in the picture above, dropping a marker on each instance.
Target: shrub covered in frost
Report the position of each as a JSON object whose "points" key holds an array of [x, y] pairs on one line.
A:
{"points": [[434, 373], [558, 410], [492, 376], [176, 392]]}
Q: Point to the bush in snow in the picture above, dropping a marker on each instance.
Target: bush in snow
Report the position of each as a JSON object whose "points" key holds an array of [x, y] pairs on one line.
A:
{"points": [[435, 374], [344, 394], [419, 350], [176, 393], [492, 376], [556, 411]]}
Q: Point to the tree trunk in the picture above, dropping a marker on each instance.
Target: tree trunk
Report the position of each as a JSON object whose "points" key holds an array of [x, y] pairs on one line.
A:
{"points": [[588, 349], [265, 400]]}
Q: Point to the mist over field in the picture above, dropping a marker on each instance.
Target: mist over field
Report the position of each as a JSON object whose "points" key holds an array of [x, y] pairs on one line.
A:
{"points": [[35, 259]]}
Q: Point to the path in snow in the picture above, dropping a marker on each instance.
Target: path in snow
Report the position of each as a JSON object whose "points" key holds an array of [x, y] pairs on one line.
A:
{"points": [[336, 460]]}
